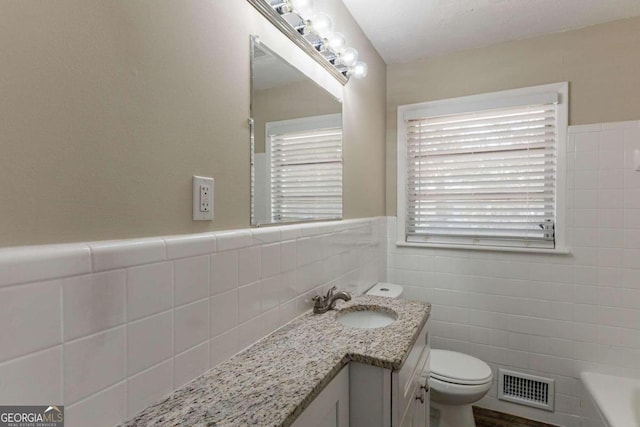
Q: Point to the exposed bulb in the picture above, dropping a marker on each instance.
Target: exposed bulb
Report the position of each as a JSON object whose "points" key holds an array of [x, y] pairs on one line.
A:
{"points": [[335, 42], [349, 57], [322, 24], [359, 71], [304, 8]]}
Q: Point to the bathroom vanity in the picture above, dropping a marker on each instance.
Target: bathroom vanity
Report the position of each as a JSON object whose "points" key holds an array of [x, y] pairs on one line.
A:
{"points": [[384, 397], [315, 371], [368, 396]]}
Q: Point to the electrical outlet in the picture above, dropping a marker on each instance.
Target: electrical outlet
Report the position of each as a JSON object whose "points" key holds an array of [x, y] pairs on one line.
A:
{"points": [[202, 198], [205, 190]]}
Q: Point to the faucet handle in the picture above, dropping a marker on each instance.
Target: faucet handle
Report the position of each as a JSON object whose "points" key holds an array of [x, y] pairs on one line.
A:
{"points": [[330, 292]]}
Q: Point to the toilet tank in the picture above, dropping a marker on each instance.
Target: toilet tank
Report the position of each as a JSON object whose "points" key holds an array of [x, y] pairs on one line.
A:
{"points": [[383, 289]]}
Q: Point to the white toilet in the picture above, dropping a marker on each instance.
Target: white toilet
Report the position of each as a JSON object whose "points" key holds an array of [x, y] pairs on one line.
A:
{"points": [[382, 289], [456, 380]]}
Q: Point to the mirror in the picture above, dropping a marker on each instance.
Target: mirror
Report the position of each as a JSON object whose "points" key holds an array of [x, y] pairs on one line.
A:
{"points": [[296, 144]]}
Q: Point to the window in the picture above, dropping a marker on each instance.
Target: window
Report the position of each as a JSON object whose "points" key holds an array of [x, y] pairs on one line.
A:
{"points": [[484, 171], [305, 168]]}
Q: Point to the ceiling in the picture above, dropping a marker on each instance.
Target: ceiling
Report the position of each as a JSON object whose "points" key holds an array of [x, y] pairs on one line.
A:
{"points": [[406, 30]]}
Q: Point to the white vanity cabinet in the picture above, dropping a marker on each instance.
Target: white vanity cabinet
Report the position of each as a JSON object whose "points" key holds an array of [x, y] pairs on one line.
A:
{"points": [[384, 398], [331, 407], [417, 413]]}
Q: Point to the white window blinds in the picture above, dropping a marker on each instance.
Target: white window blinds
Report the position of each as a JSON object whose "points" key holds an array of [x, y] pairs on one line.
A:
{"points": [[483, 178], [306, 175]]}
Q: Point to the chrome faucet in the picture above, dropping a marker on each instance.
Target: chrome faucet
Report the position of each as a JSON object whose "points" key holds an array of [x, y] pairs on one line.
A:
{"points": [[324, 304]]}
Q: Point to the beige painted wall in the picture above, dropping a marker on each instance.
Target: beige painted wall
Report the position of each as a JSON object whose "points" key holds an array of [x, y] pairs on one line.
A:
{"points": [[364, 125], [601, 63], [109, 107], [292, 101]]}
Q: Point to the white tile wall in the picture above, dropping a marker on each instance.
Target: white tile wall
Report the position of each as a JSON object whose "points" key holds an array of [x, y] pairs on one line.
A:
{"points": [[190, 364], [30, 318], [223, 346], [149, 289], [106, 408], [550, 315], [191, 279], [190, 325], [110, 327], [148, 386], [149, 341], [37, 263], [18, 387], [106, 294], [249, 301], [94, 363]]}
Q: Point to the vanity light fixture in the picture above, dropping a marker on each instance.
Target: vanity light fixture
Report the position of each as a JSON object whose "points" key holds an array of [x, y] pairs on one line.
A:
{"points": [[348, 57], [359, 71], [336, 42], [317, 29], [321, 24]]}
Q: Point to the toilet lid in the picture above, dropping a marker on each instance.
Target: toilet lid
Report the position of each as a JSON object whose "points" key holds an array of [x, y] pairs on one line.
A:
{"points": [[459, 368]]}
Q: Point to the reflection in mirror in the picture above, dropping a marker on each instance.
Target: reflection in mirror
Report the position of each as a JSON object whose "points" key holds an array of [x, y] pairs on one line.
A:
{"points": [[296, 139]]}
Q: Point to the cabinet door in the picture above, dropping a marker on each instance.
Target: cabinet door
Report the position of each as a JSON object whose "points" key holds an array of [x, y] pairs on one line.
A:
{"points": [[424, 383], [413, 415], [417, 414], [427, 409], [408, 377], [331, 407]]}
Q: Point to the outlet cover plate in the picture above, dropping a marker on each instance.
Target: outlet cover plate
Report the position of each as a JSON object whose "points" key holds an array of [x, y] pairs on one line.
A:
{"points": [[202, 198]]}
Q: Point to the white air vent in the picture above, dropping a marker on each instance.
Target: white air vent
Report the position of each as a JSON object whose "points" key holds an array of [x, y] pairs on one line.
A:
{"points": [[526, 389]]}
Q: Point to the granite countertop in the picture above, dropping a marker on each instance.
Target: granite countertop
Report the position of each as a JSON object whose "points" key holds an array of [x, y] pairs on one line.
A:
{"points": [[274, 380]]}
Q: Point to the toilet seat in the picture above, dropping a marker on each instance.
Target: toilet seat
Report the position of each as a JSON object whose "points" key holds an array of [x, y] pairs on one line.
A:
{"points": [[459, 368], [452, 389]]}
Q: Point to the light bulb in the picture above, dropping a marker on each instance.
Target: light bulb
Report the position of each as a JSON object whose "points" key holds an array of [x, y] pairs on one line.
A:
{"points": [[335, 42], [304, 8], [349, 57], [359, 71], [322, 24]]}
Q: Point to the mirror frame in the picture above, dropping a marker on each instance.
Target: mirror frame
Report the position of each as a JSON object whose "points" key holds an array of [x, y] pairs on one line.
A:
{"points": [[267, 11]]}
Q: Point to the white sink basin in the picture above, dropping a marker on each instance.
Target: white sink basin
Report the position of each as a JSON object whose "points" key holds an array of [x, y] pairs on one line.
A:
{"points": [[366, 317]]}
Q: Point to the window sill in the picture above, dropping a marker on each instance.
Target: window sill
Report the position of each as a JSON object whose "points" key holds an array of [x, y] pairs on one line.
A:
{"points": [[556, 251]]}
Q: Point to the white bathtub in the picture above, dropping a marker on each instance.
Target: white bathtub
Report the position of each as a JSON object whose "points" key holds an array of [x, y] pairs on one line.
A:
{"points": [[616, 398]]}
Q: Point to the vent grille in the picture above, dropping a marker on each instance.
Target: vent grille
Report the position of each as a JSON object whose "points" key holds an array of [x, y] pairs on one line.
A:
{"points": [[526, 389]]}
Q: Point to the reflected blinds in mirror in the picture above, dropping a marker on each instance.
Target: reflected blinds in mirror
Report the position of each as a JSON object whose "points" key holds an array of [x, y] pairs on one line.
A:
{"points": [[306, 175]]}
